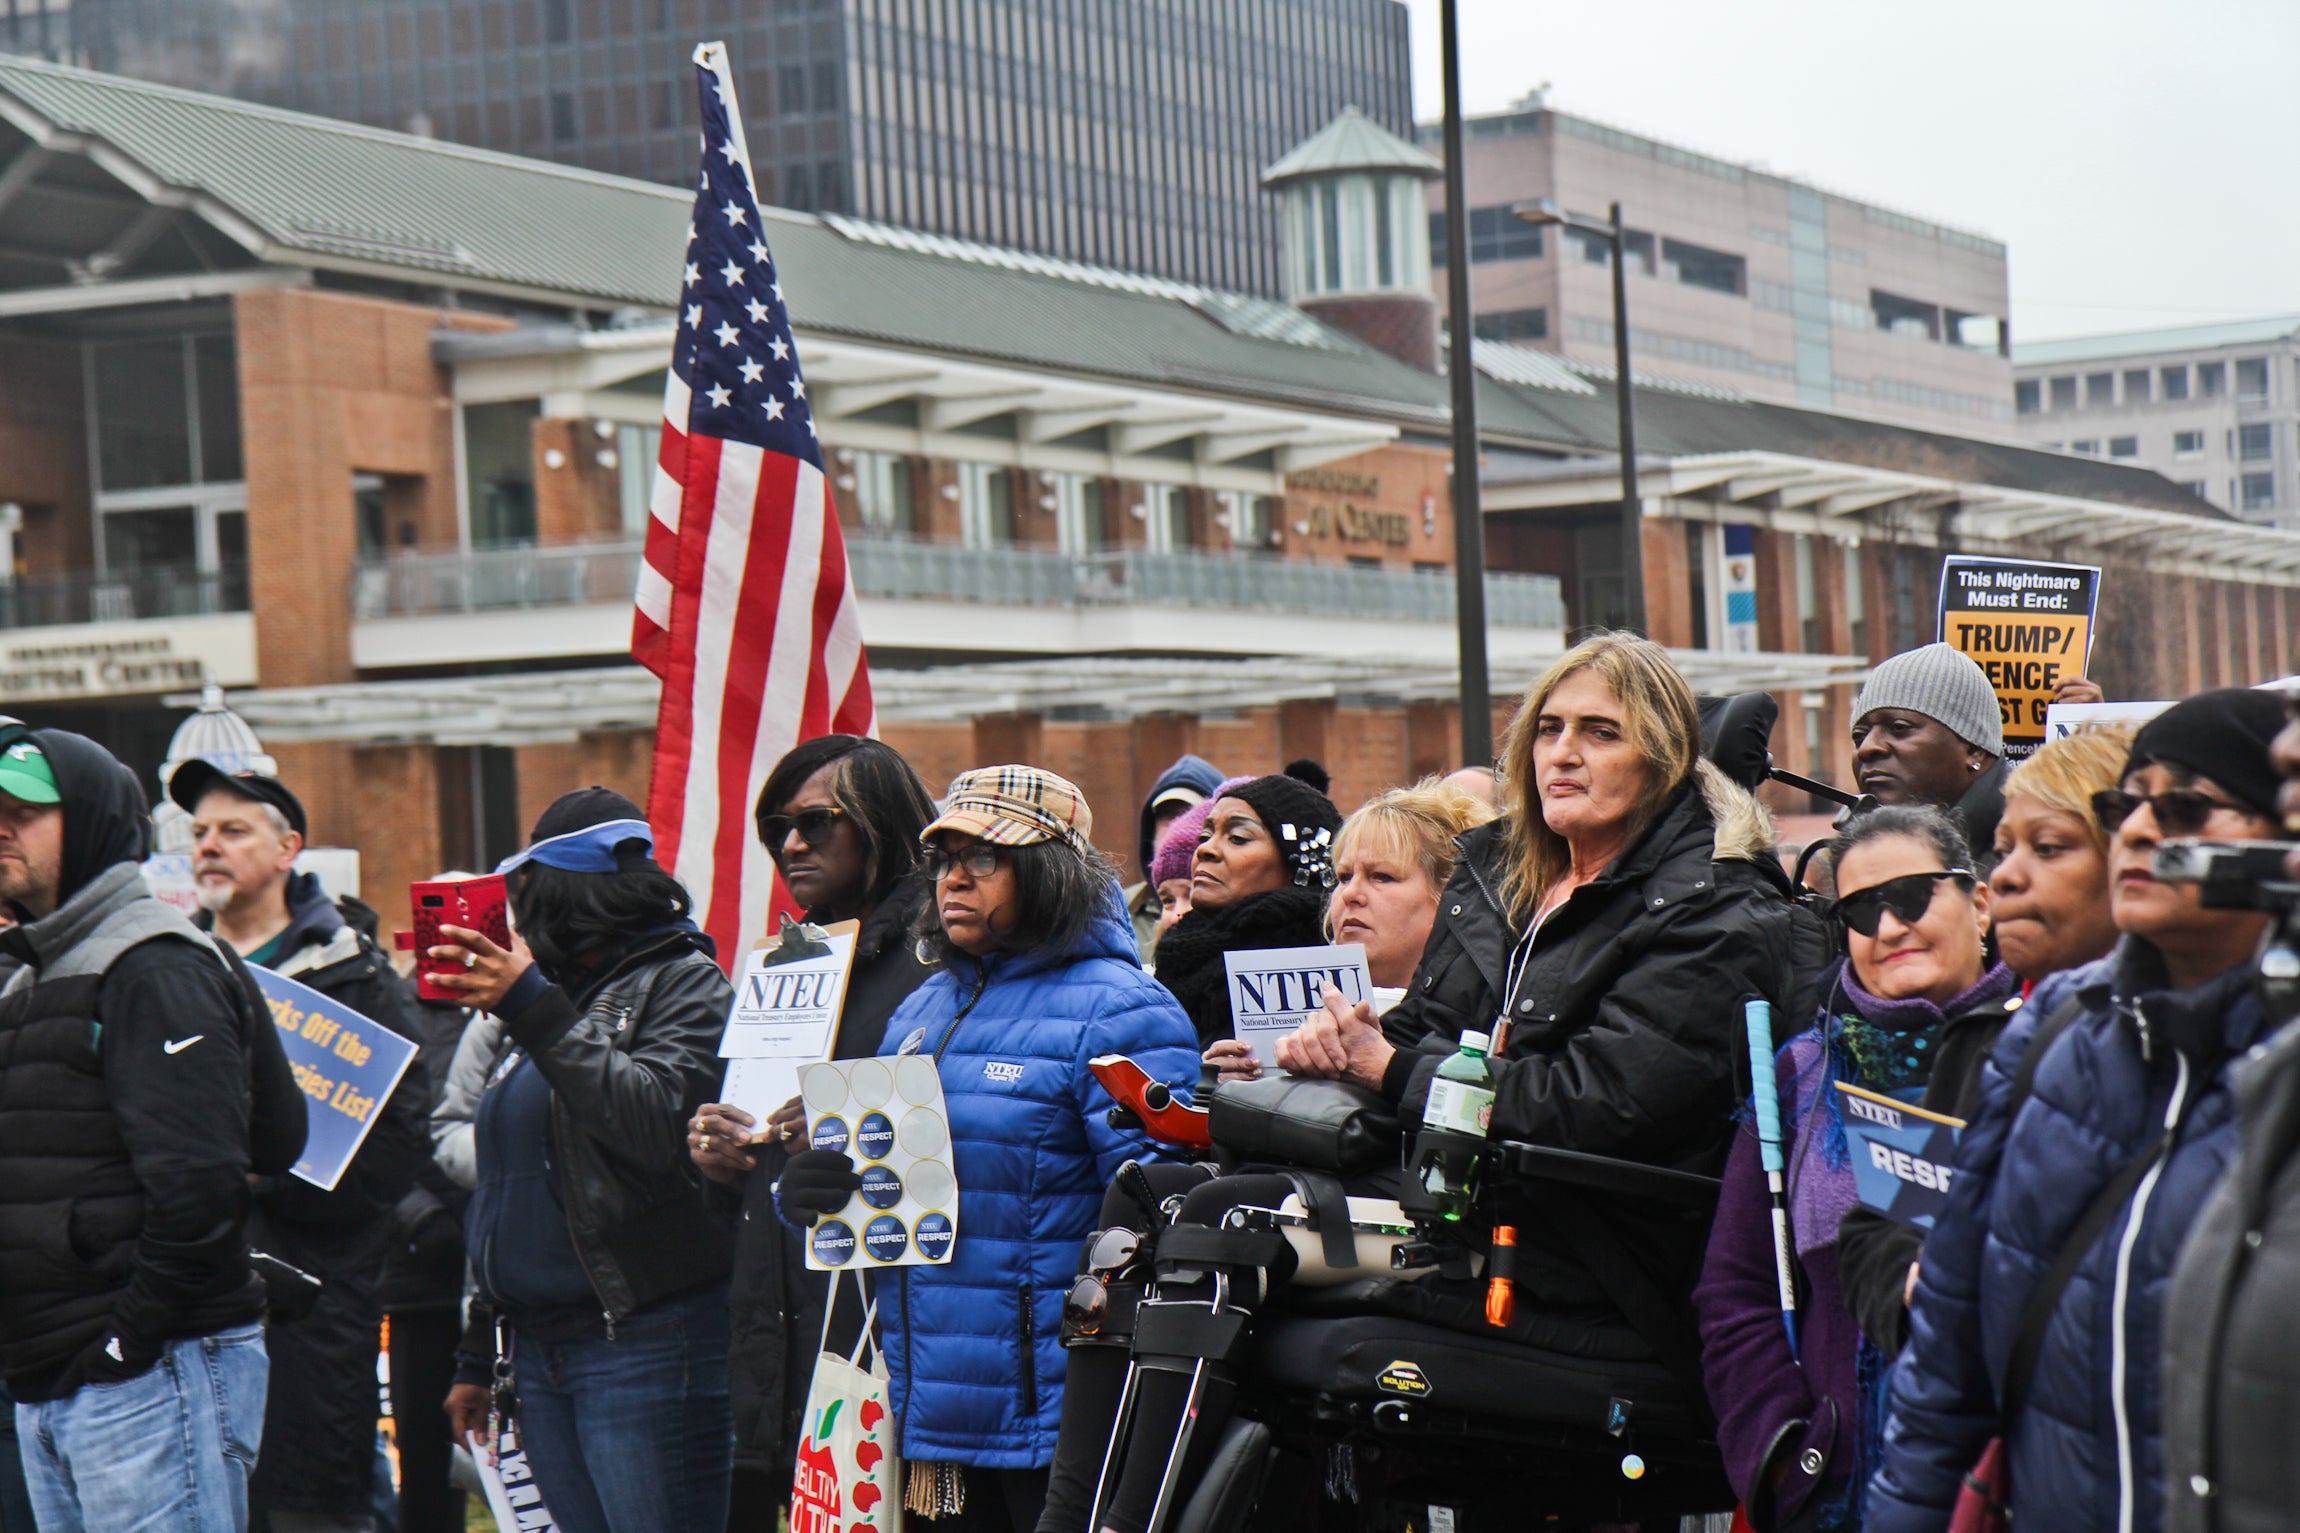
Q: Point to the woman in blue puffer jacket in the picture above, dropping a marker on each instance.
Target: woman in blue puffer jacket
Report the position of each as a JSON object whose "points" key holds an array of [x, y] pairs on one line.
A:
{"points": [[1039, 974], [2132, 1050]]}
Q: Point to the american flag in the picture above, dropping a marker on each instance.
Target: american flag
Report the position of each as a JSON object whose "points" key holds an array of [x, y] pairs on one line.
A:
{"points": [[745, 605]]}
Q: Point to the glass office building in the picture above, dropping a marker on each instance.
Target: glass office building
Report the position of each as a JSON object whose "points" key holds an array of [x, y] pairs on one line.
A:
{"points": [[1127, 133]]}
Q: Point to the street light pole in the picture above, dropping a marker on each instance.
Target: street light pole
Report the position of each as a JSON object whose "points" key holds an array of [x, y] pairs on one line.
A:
{"points": [[1632, 507], [1468, 521]]}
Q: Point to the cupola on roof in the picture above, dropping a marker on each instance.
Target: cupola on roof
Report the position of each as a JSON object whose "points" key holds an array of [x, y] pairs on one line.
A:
{"points": [[1352, 141]]}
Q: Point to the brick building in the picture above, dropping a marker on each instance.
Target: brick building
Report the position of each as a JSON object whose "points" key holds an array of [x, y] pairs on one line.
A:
{"points": [[360, 426]]}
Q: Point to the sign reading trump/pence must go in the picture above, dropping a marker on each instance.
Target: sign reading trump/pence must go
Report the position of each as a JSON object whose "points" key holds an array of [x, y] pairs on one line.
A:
{"points": [[2028, 625], [347, 1064]]}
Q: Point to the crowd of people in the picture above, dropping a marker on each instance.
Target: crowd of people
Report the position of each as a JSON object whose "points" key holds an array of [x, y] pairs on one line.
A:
{"points": [[560, 1224]]}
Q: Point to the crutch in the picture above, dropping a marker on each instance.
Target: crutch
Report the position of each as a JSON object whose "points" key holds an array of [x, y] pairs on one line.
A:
{"points": [[1765, 1100]]}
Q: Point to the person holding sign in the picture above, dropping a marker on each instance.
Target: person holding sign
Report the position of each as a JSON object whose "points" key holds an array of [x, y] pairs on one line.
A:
{"points": [[1037, 974], [1917, 995], [1259, 879], [320, 1417], [591, 1242], [840, 815], [130, 1047]]}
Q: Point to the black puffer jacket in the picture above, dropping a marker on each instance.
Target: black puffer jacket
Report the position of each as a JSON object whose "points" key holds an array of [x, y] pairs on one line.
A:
{"points": [[2231, 1371], [778, 1304], [1626, 1037]]}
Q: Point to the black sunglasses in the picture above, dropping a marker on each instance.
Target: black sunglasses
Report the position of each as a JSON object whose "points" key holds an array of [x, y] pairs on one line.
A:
{"points": [[1087, 1306], [1907, 897], [980, 859], [2178, 811], [813, 825]]}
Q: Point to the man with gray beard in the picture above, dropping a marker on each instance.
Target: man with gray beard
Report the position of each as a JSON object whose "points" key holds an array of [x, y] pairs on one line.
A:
{"points": [[316, 1474]]}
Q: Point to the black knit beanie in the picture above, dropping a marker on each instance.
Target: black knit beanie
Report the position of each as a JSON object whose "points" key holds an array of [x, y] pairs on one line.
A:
{"points": [[1303, 820], [2222, 735]]}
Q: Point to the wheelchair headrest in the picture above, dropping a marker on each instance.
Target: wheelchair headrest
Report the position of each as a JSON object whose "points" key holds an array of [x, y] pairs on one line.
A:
{"points": [[1735, 732]]}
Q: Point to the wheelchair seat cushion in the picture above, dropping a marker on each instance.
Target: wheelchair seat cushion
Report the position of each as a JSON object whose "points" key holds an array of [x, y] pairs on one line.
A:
{"points": [[1377, 1357]]}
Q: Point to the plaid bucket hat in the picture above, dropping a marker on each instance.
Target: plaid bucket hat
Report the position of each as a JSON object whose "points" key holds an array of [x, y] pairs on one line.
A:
{"points": [[1014, 806]]}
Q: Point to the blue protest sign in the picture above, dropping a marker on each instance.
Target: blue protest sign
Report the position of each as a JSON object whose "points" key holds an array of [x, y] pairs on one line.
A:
{"points": [[1903, 1157], [344, 1062]]}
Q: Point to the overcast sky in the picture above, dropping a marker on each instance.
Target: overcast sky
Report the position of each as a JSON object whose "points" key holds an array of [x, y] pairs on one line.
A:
{"points": [[2135, 156]]}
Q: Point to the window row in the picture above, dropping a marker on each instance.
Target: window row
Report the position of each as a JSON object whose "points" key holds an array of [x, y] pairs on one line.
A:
{"points": [[2253, 442], [2143, 385]]}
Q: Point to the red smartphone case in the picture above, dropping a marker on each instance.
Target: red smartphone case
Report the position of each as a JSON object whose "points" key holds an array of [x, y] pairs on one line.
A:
{"points": [[475, 904]]}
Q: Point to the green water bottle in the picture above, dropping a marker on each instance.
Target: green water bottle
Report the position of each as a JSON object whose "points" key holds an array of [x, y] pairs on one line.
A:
{"points": [[1454, 1126]]}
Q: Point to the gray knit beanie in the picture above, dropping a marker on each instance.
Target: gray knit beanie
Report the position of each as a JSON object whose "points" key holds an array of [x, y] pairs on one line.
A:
{"points": [[1942, 684]]}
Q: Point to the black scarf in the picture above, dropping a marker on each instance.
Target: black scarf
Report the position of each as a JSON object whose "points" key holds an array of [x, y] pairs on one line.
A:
{"points": [[1190, 953]]}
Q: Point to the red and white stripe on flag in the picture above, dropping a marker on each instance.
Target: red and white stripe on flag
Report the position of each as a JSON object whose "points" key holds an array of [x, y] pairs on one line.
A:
{"points": [[745, 605]]}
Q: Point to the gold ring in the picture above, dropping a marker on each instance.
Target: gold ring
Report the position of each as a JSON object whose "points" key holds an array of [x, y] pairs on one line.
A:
{"points": [[706, 1142]]}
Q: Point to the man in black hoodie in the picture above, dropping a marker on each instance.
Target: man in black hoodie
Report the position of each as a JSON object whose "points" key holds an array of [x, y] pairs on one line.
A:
{"points": [[246, 832], [130, 1321]]}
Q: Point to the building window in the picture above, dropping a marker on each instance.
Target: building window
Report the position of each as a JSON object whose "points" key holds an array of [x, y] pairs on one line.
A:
{"points": [[2211, 379], [2124, 447], [2259, 492], [1911, 317], [985, 506], [2028, 396], [1512, 325], [2188, 444], [499, 470], [1252, 520], [791, 90], [2175, 381], [167, 412], [883, 495], [1808, 596], [2256, 442], [2088, 448], [2194, 487], [558, 21], [1077, 513], [1596, 249], [1856, 601], [636, 449], [2099, 390], [1697, 266], [2064, 393], [2252, 380], [1166, 518], [2136, 391], [1496, 234]]}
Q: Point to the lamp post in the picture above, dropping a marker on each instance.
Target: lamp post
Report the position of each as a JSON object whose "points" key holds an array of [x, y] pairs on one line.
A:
{"points": [[1546, 211], [1468, 520]]}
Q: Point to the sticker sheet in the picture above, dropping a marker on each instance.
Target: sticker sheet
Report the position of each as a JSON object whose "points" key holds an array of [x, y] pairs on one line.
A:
{"points": [[888, 1117]]}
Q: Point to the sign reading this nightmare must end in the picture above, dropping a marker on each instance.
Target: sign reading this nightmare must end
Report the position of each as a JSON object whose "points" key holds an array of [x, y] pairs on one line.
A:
{"points": [[2028, 625], [346, 1064]]}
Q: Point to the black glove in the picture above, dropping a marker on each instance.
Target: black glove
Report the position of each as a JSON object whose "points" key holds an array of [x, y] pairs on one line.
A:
{"points": [[815, 1183]]}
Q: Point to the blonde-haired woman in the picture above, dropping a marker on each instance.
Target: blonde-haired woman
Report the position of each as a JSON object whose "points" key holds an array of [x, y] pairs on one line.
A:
{"points": [[1391, 860], [2051, 877]]}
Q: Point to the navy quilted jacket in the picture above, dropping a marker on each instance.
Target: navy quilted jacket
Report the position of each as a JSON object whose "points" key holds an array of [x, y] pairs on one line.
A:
{"points": [[974, 1347], [2087, 1451]]}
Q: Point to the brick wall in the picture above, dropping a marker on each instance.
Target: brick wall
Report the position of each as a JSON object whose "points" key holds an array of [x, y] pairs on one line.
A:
{"points": [[582, 497], [44, 454]]}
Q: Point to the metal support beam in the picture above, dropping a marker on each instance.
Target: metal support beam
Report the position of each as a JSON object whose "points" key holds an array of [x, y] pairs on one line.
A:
{"points": [[22, 171]]}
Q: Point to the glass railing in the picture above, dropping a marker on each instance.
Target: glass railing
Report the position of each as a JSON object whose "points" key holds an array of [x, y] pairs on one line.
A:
{"points": [[145, 591], [411, 585]]}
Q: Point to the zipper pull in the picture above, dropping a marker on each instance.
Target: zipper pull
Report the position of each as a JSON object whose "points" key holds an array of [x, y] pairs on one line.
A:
{"points": [[610, 1318]]}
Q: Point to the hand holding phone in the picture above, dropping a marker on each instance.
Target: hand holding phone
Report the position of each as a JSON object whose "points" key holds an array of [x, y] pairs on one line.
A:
{"points": [[475, 904]]}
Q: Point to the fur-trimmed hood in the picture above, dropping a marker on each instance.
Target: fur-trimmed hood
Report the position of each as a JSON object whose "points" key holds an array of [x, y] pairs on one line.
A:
{"points": [[1744, 826]]}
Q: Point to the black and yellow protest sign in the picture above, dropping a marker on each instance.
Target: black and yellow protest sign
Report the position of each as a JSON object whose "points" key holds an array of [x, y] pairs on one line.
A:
{"points": [[2027, 624]]}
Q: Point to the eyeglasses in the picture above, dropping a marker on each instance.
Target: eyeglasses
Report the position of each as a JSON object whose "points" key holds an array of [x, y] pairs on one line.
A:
{"points": [[1907, 897], [2178, 812], [1088, 1304], [813, 825], [980, 859]]}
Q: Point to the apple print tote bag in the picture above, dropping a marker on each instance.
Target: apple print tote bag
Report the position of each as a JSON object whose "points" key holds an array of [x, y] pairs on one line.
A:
{"points": [[849, 1476]]}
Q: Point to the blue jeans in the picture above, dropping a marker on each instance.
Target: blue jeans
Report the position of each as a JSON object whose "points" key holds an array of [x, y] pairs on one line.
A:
{"points": [[632, 1435], [168, 1451]]}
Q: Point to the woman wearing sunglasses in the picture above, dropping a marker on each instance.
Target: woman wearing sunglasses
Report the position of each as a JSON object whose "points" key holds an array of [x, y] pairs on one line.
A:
{"points": [[840, 815], [1917, 995], [2125, 1125], [1036, 973]]}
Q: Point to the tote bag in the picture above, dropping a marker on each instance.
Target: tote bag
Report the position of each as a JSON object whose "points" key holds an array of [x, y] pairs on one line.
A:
{"points": [[849, 1475]]}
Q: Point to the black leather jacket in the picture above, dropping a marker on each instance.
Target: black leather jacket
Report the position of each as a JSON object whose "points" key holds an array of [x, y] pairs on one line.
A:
{"points": [[630, 1056]]}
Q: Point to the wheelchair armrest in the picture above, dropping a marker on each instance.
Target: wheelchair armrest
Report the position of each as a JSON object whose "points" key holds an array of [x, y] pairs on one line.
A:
{"points": [[1629, 1178]]}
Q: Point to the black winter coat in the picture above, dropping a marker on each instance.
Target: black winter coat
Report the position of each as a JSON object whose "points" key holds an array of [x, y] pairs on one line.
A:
{"points": [[778, 1304], [1626, 1038], [2231, 1367], [319, 1412]]}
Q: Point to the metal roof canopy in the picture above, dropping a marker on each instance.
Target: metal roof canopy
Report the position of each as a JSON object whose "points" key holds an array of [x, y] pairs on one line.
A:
{"points": [[533, 708], [1836, 498], [567, 367]]}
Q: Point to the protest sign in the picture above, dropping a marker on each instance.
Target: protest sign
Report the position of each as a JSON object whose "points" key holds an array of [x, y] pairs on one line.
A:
{"points": [[888, 1117], [2028, 624], [2064, 719], [1274, 990], [1902, 1155], [346, 1063], [785, 1015]]}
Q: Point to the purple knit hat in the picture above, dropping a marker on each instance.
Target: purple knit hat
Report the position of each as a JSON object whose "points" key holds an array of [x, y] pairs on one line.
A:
{"points": [[1180, 843]]}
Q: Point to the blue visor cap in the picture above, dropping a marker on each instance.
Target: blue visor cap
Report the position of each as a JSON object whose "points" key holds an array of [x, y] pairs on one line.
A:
{"points": [[589, 850]]}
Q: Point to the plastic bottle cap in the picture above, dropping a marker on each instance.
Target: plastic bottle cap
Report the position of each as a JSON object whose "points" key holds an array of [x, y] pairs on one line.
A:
{"points": [[1471, 1038]]}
